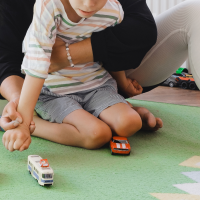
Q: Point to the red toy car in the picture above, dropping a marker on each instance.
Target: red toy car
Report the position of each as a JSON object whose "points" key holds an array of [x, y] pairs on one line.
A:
{"points": [[120, 145]]}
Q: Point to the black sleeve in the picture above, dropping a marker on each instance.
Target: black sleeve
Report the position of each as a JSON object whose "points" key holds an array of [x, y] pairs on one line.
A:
{"points": [[124, 46], [15, 18]]}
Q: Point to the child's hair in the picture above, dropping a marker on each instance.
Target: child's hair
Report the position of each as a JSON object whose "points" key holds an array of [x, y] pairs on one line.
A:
{"points": [[1, 11]]}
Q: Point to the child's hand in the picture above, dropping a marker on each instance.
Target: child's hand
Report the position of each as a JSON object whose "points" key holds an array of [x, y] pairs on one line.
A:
{"points": [[133, 88], [17, 139]]}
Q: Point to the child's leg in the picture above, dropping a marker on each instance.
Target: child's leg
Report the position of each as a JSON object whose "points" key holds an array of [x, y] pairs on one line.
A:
{"points": [[149, 121], [72, 125], [122, 119], [104, 102], [79, 128]]}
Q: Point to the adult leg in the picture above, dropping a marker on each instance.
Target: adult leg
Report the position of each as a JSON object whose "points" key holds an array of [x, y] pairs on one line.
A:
{"points": [[178, 38], [79, 128]]}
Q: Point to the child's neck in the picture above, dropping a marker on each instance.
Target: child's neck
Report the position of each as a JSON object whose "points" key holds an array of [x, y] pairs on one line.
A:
{"points": [[72, 15]]}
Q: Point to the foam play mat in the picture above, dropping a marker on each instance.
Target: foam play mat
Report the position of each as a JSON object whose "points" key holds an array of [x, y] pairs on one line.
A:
{"points": [[162, 165]]}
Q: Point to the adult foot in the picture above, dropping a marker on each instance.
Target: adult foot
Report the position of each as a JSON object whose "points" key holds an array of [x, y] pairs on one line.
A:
{"points": [[149, 121]]}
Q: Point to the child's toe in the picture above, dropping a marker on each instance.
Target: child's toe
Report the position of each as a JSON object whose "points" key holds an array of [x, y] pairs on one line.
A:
{"points": [[159, 123]]}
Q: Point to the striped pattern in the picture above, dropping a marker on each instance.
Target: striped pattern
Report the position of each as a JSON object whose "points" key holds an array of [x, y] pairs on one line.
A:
{"points": [[54, 107], [50, 21]]}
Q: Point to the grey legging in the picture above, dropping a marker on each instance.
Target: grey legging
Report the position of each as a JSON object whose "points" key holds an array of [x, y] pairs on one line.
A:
{"points": [[178, 38]]}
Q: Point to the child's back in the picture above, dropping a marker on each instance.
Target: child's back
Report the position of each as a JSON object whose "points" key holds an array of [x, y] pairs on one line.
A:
{"points": [[51, 21]]}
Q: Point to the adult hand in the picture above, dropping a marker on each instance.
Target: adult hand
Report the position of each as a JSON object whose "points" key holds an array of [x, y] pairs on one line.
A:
{"points": [[59, 56], [17, 139], [133, 88], [11, 118]]}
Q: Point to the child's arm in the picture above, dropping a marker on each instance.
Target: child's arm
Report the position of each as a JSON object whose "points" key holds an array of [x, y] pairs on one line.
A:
{"points": [[29, 95], [19, 138], [128, 86], [37, 47]]}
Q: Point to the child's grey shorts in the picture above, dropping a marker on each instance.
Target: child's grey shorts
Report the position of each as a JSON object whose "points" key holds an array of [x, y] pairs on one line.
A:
{"points": [[55, 108]]}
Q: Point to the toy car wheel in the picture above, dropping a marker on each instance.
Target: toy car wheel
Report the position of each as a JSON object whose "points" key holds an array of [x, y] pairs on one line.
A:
{"points": [[192, 86], [171, 84], [112, 152], [184, 85], [29, 171]]}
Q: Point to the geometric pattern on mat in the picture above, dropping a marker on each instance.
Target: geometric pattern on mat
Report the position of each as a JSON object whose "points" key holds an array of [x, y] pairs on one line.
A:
{"points": [[175, 196], [193, 175], [153, 165], [192, 188], [192, 162]]}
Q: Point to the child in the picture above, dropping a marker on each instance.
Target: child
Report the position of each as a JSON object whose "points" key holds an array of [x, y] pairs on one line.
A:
{"points": [[82, 96]]}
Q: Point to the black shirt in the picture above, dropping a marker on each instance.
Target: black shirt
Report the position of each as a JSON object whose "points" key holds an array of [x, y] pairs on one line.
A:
{"points": [[119, 48]]}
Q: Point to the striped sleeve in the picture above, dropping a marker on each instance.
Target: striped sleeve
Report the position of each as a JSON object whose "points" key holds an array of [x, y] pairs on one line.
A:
{"points": [[121, 12], [40, 39], [116, 9]]}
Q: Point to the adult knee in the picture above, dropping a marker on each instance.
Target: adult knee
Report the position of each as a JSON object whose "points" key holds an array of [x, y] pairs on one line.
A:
{"points": [[190, 10], [99, 134], [128, 124]]}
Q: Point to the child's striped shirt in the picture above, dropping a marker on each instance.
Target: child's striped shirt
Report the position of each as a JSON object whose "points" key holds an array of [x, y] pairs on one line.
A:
{"points": [[50, 21]]}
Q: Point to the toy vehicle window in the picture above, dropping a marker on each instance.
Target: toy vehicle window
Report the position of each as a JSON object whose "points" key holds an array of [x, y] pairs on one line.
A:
{"points": [[47, 176], [121, 141]]}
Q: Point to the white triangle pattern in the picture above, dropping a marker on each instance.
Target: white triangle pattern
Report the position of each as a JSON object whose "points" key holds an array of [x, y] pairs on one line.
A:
{"points": [[191, 188], [195, 175]]}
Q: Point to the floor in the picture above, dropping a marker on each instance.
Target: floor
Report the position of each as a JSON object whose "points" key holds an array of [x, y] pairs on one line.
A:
{"points": [[162, 94], [173, 95]]}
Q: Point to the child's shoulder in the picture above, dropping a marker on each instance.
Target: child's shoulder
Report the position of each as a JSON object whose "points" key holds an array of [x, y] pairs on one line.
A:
{"points": [[112, 3], [112, 6], [113, 9], [52, 7], [49, 4]]}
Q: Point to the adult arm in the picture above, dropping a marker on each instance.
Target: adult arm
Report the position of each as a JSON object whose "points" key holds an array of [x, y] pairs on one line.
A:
{"points": [[80, 52], [123, 47], [11, 87], [11, 90], [120, 47], [19, 137], [13, 27]]}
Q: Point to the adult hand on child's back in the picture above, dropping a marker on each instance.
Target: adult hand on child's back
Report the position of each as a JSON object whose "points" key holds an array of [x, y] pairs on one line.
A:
{"points": [[11, 118], [17, 139], [59, 56]]}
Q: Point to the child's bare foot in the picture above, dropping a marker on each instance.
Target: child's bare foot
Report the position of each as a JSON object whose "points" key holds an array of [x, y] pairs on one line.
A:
{"points": [[149, 121]]}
